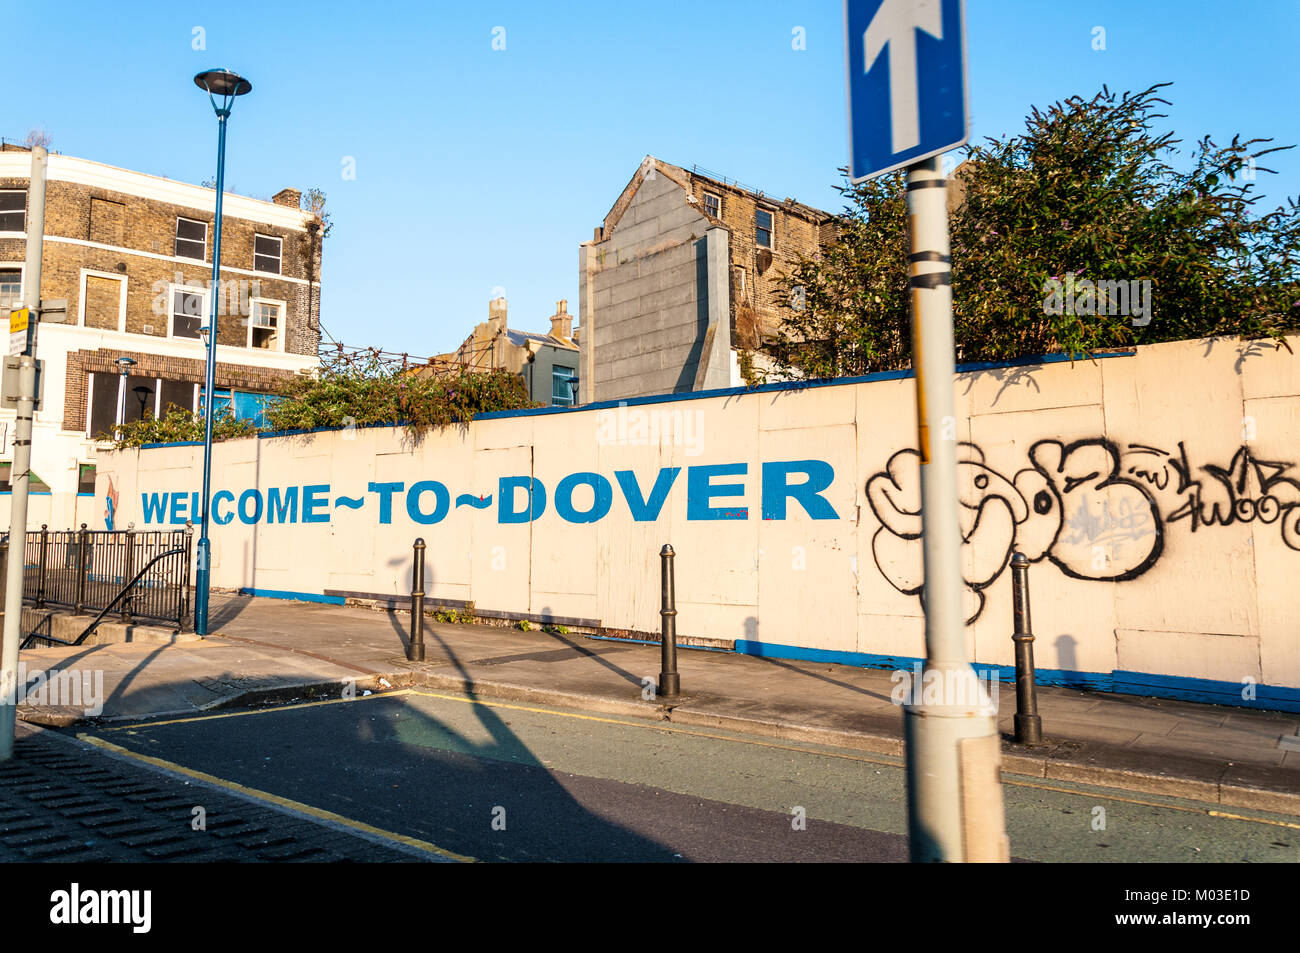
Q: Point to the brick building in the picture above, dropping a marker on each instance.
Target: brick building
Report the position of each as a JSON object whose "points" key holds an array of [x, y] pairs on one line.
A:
{"points": [[681, 280], [132, 254], [547, 361]]}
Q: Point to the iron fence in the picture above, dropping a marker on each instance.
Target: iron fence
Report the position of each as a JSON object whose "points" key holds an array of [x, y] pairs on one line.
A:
{"points": [[85, 570]]}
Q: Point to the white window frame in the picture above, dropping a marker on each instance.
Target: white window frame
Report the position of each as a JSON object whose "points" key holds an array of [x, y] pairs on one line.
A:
{"points": [[705, 204], [119, 403], [284, 320], [204, 317], [11, 234], [22, 275], [569, 372], [279, 258], [771, 229], [176, 237], [121, 301]]}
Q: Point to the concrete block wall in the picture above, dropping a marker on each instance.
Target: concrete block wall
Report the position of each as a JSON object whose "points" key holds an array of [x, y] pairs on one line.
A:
{"points": [[646, 311]]}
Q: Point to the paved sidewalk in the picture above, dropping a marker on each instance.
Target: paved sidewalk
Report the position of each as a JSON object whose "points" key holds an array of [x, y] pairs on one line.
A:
{"points": [[268, 650], [61, 800]]}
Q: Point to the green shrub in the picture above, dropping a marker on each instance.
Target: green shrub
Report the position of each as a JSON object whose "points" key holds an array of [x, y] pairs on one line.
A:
{"points": [[1086, 189], [347, 394], [180, 426]]}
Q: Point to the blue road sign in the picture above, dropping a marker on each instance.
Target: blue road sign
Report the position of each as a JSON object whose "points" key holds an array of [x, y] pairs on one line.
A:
{"points": [[907, 82]]}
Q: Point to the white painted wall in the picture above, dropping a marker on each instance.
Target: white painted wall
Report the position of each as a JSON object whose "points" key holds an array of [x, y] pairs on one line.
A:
{"points": [[1116, 585]]}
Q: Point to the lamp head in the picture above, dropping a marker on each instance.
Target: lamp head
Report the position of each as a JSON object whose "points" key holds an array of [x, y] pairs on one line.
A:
{"points": [[222, 82], [225, 84]]}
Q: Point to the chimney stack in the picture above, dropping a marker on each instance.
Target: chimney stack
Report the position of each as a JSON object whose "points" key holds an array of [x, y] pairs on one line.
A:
{"points": [[497, 314], [291, 198], [562, 321]]}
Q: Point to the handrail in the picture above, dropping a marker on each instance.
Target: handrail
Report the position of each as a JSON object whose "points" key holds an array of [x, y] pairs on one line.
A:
{"points": [[108, 608]]}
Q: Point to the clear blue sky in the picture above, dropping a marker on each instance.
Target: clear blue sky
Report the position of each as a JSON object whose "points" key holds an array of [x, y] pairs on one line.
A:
{"points": [[479, 169]]}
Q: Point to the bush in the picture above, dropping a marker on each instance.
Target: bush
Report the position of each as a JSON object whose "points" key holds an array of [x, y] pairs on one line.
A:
{"points": [[1086, 191], [180, 426], [348, 395]]}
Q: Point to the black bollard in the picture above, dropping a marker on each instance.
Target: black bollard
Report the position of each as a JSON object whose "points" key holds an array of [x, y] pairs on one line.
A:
{"points": [[85, 558], [40, 576], [1029, 727], [669, 682], [415, 650]]}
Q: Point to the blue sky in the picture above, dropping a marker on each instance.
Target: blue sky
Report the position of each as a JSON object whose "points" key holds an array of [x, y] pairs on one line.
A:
{"points": [[481, 169]]}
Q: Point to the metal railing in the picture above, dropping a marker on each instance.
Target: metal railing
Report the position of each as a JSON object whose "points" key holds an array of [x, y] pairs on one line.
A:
{"points": [[87, 570]]}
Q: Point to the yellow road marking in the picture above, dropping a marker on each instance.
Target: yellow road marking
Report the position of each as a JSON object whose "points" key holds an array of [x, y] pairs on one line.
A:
{"points": [[675, 729], [137, 725], [276, 799]]}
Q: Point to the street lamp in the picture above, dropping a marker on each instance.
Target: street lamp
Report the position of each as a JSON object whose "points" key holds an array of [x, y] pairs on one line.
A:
{"points": [[124, 365], [227, 85], [143, 393]]}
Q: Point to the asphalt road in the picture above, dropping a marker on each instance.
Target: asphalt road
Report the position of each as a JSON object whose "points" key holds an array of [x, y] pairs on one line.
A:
{"points": [[498, 781]]}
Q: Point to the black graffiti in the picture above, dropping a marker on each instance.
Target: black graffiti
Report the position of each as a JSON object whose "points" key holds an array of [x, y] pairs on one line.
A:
{"points": [[1069, 506], [1090, 510], [1248, 490]]}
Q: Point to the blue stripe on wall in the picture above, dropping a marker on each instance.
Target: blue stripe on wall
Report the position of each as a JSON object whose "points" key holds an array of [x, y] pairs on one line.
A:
{"points": [[298, 596], [1267, 697]]}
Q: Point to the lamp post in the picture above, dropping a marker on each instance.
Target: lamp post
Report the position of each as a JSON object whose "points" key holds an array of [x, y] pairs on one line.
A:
{"points": [[227, 85], [124, 365], [143, 393]]}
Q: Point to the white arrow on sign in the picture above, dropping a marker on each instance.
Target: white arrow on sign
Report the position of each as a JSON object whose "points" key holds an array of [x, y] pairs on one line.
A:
{"points": [[895, 24]]}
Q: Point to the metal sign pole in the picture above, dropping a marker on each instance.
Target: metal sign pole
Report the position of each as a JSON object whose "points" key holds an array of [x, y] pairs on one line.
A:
{"points": [[20, 471], [953, 747]]}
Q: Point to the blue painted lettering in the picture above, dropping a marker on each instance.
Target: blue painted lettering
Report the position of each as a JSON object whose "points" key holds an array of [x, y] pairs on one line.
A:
{"points": [[222, 496], [441, 498], [777, 488], [643, 510], [282, 510], [506, 512], [386, 491], [700, 491], [604, 497], [313, 498], [244, 498]]}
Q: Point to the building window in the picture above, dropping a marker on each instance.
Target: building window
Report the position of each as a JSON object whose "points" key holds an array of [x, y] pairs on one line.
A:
{"points": [[187, 312], [13, 211], [86, 478], [114, 400], [561, 385], [11, 287], [264, 325], [103, 300], [176, 395], [266, 254], [713, 204], [34, 483], [763, 231], [191, 239], [240, 404]]}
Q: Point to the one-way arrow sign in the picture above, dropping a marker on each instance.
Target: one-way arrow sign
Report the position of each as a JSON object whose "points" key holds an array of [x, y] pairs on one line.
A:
{"points": [[907, 82]]}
